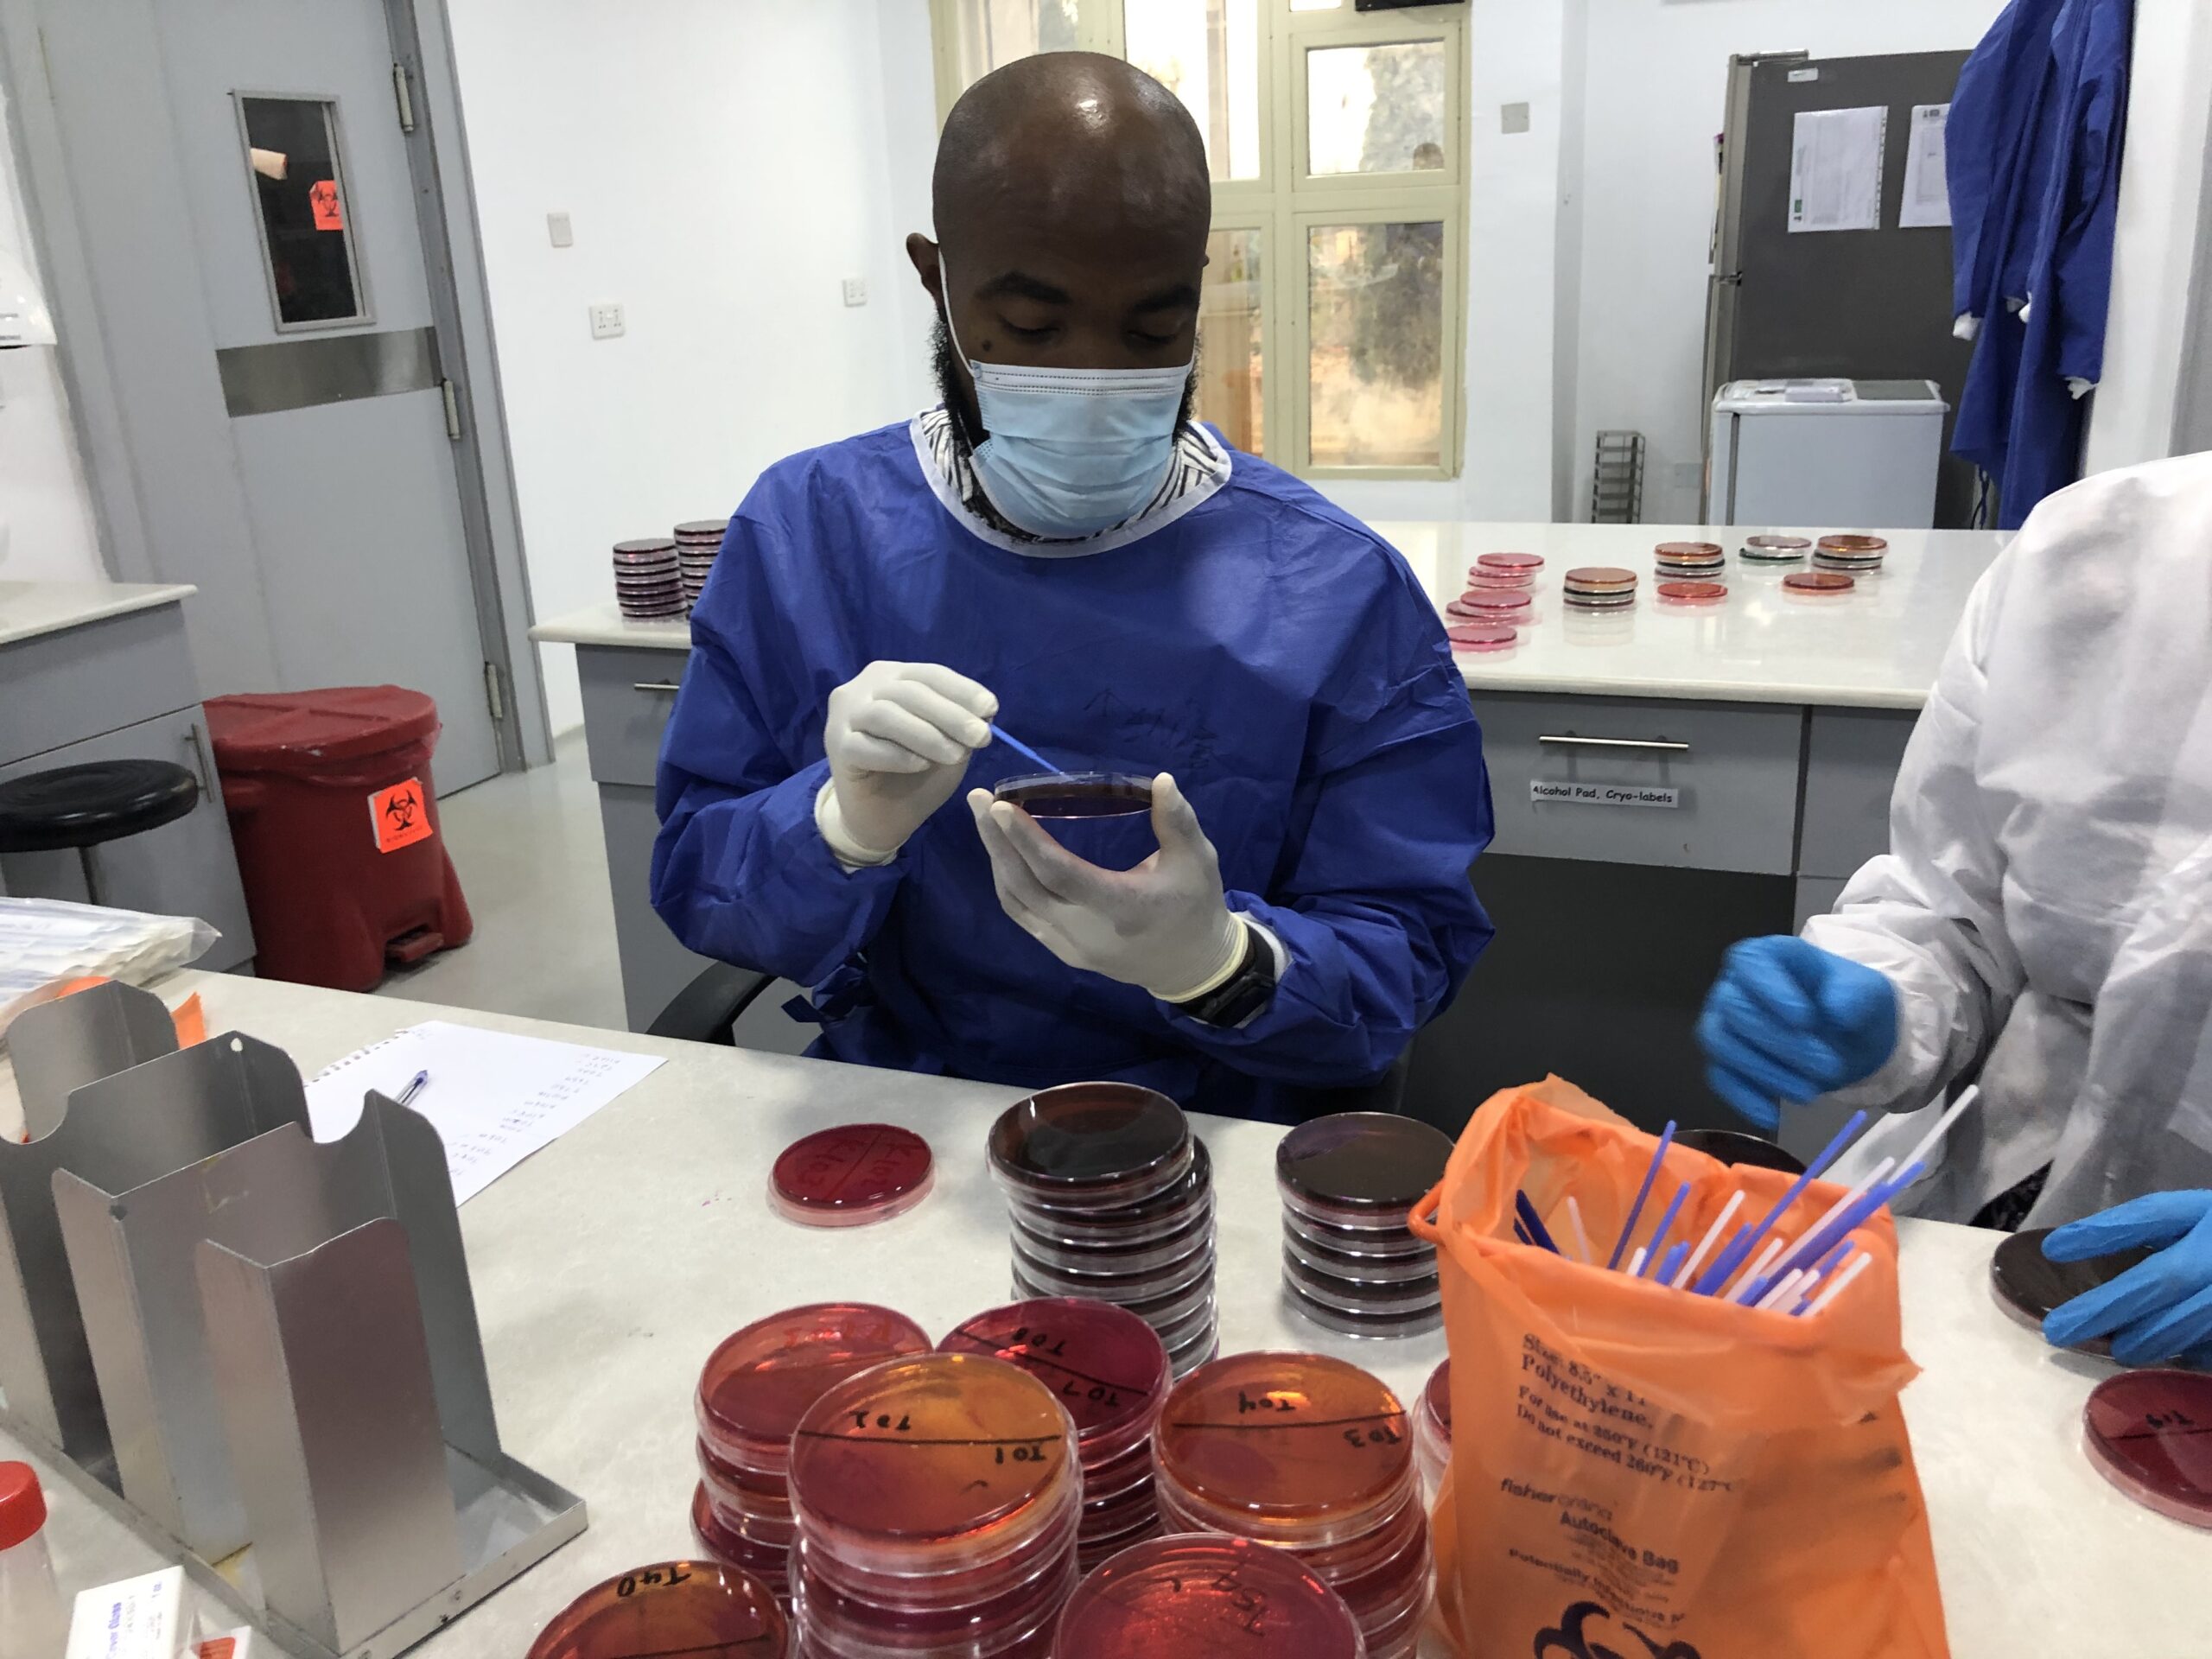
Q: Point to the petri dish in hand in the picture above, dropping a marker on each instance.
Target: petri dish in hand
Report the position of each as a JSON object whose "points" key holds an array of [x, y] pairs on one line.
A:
{"points": [[700, 1609], [2028, 1284], [1204, 1597], [852, 1175], [1077, 794]]}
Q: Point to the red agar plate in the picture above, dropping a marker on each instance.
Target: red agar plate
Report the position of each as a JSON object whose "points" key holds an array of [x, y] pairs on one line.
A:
{"points": [[1600, 578], [2149, 1432], [1693, 593], [1104, 1364], [851, 1175], [1818, 581], [695, 1608], [1511, 565], [1483, 636], [1199, 1597], [758, 1383]]}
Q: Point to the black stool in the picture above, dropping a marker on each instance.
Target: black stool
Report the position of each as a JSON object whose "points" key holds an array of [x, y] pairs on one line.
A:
{"points": [[80, 807]]}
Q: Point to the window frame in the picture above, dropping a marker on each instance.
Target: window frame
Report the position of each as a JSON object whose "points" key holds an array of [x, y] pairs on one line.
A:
{"points": [[1286, 201]]}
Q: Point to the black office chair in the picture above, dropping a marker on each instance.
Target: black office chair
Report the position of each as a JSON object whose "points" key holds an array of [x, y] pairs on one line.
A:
{"points": [[707, 1010], [79, 808]]}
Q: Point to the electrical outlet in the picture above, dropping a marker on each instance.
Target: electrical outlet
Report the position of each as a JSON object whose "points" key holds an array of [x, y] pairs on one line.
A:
{"points": [[607, 319], [559, 228], [1513, 119], [855, 290]]}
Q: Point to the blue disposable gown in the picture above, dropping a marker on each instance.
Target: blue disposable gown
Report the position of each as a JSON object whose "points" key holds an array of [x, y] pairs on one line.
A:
{"points": [[2035, 141], [1271, 651]]}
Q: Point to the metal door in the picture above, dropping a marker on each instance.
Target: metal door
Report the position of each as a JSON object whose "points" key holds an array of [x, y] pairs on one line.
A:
{"points": [[251, 186]]}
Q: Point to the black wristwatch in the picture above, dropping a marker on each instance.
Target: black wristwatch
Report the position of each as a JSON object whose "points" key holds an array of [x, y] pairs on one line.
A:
{"points": [[1243, 994]]}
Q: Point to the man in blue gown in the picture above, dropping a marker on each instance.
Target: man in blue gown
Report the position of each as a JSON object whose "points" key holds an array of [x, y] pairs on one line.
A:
{"points": [[1059, 542]]}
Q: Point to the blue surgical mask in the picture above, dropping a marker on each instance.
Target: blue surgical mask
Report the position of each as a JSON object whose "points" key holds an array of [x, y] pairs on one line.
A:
{"points": [[1072, 452]]}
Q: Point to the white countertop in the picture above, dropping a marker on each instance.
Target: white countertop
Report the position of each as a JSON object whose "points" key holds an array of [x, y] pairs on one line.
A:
{"points": [[28, 609], [607, 1267], [1876, 647]]}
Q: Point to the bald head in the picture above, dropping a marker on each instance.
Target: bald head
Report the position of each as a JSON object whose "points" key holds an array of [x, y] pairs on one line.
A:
{"points": [[1072, 206]]}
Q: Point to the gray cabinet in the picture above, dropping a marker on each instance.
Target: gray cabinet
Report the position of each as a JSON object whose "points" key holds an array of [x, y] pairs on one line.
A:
{"points": [[654, 966]]}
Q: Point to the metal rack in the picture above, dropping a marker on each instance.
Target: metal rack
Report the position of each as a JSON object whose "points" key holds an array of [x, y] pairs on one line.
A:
{"points": [[1617, 478]]}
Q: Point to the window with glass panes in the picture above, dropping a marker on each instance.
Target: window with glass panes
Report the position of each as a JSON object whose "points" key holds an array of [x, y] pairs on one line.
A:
{"points": [[1330, 331]]}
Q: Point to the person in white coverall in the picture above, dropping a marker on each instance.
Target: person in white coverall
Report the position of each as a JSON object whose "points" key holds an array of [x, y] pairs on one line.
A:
{"points": [[2042, 920]]}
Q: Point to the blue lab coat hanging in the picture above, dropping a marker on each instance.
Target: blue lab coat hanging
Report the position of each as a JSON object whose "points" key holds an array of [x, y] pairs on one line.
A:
{"points": [[1271, 651], [2034, 144]]}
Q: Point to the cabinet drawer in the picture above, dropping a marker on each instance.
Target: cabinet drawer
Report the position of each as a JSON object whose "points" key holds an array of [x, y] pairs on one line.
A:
{"points": [[1851, 756], [1567, 773], [91, 679], [627, 698]]}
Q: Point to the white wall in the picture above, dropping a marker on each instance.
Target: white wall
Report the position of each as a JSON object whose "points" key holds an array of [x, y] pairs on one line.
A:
{"points": [[726, 165], [1655, 99], [2163, 199], [46, 511]]}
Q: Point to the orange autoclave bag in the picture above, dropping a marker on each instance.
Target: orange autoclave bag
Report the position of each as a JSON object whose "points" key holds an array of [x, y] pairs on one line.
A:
{"points": [[1642, 1472]]}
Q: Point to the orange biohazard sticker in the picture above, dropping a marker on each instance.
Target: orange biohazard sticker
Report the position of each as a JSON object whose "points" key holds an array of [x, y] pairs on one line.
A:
{"points": [[399, 816], [322, 196]]}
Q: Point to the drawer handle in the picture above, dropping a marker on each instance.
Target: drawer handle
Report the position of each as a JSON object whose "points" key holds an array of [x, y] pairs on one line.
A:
{"points": [[1643, 745], [669, 686]]}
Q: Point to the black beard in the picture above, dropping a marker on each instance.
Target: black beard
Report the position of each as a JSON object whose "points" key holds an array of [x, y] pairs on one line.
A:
{"points": [[945, 362]]}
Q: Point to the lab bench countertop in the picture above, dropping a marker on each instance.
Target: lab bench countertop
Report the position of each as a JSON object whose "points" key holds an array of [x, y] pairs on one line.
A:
{"points": [[607, 1268], [1877, 647], [30, 609]]}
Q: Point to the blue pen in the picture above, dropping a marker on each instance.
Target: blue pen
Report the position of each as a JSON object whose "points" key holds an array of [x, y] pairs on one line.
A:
{"points": [[1026, 752], [414, 1087]]}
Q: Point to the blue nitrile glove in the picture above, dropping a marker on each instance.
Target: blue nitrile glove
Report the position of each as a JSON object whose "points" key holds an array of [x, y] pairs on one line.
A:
{"points": [[2157, 1311], [1787, 1022]]}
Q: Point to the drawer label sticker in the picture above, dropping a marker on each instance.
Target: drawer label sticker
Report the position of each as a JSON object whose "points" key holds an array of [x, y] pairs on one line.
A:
{"points": [[1540, 792], [399, 817]]}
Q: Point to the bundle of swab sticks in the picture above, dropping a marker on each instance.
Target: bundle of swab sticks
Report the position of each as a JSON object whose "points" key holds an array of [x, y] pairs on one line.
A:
{"points": [[1774, 1263]]}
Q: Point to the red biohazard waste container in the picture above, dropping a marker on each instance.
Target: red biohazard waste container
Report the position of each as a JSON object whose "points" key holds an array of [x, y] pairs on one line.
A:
{"points": [[337, 830]]}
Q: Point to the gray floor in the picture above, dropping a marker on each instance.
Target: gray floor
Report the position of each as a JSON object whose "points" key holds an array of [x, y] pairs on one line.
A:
{"points": [[528, 849]]}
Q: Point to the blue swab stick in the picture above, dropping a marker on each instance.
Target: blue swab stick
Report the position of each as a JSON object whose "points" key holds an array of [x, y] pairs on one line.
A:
{"points": [[1026, 752], [1673, 1263], [1666, 1223], [1532, 1224], [1636, 1209], [1733, 1257]]}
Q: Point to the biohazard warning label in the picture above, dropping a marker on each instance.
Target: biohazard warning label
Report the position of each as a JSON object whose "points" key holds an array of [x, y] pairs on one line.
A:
{"points": [[399, 816], [322, 198]]}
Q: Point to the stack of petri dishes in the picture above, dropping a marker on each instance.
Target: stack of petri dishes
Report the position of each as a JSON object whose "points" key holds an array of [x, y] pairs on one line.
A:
{"points": [[1350, 1263], [1505, 570], [1203, 1596], [1853, 554], [697, 541], [1599, 588], [1107, 1369], [647, 584], [1775, 549], [687, 1607], [1112, 1199], [1313, 1456], [938, 1501], [1690, 559], [1433, 1428], [754, 1389]]}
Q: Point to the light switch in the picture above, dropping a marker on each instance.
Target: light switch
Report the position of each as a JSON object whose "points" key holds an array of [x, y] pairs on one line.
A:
{"points": [[606, 319], [562, 231], [855, 290], [1513, 117]]}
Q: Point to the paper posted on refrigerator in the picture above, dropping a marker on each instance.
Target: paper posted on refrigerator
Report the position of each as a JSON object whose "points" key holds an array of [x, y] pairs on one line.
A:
{"points": [[1835, 169], [1927, 181], [492, 1097]]}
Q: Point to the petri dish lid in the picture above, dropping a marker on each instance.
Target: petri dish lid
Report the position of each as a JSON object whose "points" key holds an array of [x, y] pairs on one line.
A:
{"points": [[1389, 1326], [699, 529], [1512, 565], [1396, 1243], [1734, 1147], [1077, 794], [2028, 1284], [695, 1608], [1481, 602], [1436, 1399], [1600, 578], [1688, 552], [1852, 546], [1482, 636], [1286, 1447], [1361, 1269], [760, 1382], [1202, 1596], [1361, 1296], [656, 545], [1114, 1142], [932, 1464], [1818, 581], [1778, 543], [1361, 1167], [2149, 1433], [1693, 593], [1104, 1364], [851, 1175]]}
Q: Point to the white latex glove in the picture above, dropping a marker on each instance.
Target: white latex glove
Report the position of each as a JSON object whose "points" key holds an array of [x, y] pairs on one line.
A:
{"points": [[1163, 925], [899, 738]]}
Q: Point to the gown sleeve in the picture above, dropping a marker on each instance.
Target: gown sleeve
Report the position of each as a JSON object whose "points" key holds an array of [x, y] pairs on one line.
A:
{"points": [[740, 871], [1375, 913]]}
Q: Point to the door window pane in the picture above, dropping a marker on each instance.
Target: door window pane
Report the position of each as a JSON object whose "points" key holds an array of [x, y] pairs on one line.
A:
{"points": [[993, 33], [305, 219], [1375, 294], [1374, 109], [1207, 52], [1230, 386]]}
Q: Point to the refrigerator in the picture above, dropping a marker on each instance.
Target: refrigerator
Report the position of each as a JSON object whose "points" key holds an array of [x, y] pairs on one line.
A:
{"points": [[1849, 455], [1863, 305]]}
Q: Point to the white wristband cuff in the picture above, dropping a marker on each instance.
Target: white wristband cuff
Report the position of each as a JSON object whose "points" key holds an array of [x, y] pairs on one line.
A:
{"points": [[1234, 936], [846, 851]]}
